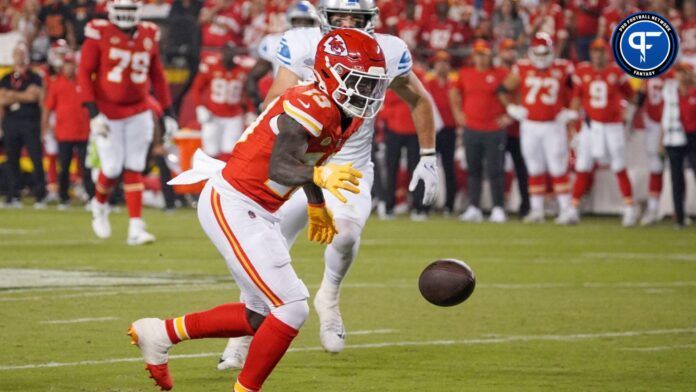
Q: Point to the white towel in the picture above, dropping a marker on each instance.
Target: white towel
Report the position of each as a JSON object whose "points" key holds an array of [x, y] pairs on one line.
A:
{"points": [[204, 167]]}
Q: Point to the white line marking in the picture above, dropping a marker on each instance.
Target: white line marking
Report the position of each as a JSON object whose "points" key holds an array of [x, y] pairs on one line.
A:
{"points": [[498, 340], [660, 348], [19, 232], [372, 332], [653, 257], [79, 320]]}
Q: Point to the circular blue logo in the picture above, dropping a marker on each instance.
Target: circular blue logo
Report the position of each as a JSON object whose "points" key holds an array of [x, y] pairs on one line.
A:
{"points": [[645, 45]]}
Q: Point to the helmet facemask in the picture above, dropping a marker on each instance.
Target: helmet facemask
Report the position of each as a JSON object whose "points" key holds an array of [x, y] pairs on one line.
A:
{"points": [[359, 94], [541, 56], [124, 14], [326, 12]]}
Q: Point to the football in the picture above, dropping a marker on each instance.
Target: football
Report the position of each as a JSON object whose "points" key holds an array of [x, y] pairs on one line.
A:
{"points": [[447, 282]]}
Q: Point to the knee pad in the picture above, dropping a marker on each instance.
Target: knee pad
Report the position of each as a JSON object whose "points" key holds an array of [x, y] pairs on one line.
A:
{"points": [[293, 314], [348, 236]]}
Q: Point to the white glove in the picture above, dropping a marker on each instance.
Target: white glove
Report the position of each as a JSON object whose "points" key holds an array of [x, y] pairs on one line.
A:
{"points": [[567, 115], [518, 112], [98, 126], [170, 127], [202, 114], [426, 171]]}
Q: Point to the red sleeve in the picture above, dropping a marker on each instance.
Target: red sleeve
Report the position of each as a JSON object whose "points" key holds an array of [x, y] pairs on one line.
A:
{"points": [[50, 98], [160, 87], [312, 109], [89, 62], [625, 86], [200, 83]]}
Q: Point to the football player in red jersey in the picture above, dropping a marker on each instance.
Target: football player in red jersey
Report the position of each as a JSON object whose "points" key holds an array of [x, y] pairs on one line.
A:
{"points": [[218, 93], [544, 82], [284, 149], [651, 95], [119, 64], [688, 33], [599, 89]]}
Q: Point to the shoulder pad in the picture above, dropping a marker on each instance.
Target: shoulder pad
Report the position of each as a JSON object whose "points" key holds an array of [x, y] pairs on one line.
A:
{"points": [[310, 107]]}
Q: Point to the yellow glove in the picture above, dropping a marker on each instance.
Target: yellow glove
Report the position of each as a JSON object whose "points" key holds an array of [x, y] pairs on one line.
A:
{"points": [[321, 224], [333, 177]]}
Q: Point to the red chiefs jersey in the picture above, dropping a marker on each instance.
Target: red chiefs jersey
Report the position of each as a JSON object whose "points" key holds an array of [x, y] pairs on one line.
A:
{"points": [[409, 31], [602, 91], [219, 89], [688, 37], [550, 20], [653, 98], [587, 14], [440, 89], [225, 26], [247, 169], [480, 103], [544, 92], [117, 70], [445, 34]]}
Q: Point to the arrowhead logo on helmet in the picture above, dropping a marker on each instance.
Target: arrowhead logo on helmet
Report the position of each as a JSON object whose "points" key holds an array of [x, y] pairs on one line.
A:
{"points": [[336, 46]]}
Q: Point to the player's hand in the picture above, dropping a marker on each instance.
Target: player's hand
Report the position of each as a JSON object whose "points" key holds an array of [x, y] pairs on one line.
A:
{"points": [[517, 112], [202, 114], [322, 228], [567, 115], [426, 171], [334, 177], [98, 126], [171, 126]]}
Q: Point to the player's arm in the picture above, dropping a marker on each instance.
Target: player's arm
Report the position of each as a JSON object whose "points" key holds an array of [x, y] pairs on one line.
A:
{"points": [[455, 101], [286, 166], [89, 62], [509, 85], [283, 81], [260, 69], [160, 88], [30, 95]]}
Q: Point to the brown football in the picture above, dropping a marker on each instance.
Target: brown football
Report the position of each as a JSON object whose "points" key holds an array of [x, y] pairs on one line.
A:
{"points": [[447, 282]]}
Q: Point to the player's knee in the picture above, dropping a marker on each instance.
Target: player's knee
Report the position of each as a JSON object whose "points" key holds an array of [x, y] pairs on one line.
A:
{"points": [[618, 164], [111, 170], [655, 164], [254, 319], [293, 314], [348, 236]]}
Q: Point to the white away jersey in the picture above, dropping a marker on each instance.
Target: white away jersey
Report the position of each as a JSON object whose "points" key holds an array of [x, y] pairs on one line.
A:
{"points": [[268, 48], [296, 52]]}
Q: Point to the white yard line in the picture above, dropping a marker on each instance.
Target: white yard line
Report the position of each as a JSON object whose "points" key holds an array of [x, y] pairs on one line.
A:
{"points": [[372, 332], [660, 348], [79, 320], [653, 257], [483, 341], [19, 231]]}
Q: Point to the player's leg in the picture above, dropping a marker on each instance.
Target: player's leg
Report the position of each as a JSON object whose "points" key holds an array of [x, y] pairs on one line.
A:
{"points": [[474, 150], [494, 156], [233, 129], [138, 132], [350, 219], [110, 149], [513, 146], [32, 142], [50, 145], [65, 154], [616, 146], [531, 139], [656, 167], [210, 137], [583, 172], [556, 151], [446, 144]]}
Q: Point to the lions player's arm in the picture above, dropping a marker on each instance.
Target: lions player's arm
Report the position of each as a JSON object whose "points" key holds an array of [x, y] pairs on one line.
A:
{"points": [[411, 90], [286, 166], [283, 81]]}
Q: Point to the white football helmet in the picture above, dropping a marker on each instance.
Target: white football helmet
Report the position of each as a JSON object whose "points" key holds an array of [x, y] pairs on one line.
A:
{"points": [[125, 14], [368, 8], [541, 50], [301, 10]]}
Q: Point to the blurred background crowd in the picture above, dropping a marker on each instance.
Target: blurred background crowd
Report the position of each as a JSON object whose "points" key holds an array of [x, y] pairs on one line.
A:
{"points": [[443, 37]]}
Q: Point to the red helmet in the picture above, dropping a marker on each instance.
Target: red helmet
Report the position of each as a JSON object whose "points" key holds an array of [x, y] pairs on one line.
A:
{"points": [[541, 50], [58, 53], [350, 68]]}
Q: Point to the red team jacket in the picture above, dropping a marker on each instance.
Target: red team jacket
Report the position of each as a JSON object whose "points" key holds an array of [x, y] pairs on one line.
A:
{"points": [[117, 71], [72, 120], [247, 169]]}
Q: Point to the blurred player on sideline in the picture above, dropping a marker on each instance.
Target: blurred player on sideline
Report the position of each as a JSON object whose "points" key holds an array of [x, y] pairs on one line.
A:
{"points": [[544, 83], [218, 91], [599, 89], [297, 49], [119, 64], [651, 94], [287, 147], [300, 14]]}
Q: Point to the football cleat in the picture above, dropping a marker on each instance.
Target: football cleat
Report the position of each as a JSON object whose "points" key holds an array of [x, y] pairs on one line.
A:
{"points": [[137, 234], [568, 217], [650, 217], [534, 216], [630, 216], [332, 334], [150, 335], [498, 215], [235, 353], [100, 219], [472, 214]]}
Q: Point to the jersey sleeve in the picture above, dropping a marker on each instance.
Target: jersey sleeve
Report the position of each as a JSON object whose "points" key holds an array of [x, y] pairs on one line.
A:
{"points": [[89, 61], [50, 98], [399, 60], [266, 49], [292, 52], [314, 111], [160, 88], [200, 82]]}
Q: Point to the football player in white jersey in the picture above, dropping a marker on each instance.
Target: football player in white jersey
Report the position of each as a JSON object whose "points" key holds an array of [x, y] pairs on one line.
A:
{"points": [[296, 57], [300, 14]]}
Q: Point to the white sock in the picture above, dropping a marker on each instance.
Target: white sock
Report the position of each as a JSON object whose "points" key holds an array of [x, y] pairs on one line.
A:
{"points": [[537, 202], [563, 201], [339, 254], [653, 203]]}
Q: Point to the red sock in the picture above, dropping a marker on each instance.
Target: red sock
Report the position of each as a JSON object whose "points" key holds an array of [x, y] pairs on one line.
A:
{"points": [[224, 321], [580, 187], [103, 188], [224, 156], [52, 173], [625, 186], [561, 184], [133, 189], [537, 184], [655, 184], [270, 343]]}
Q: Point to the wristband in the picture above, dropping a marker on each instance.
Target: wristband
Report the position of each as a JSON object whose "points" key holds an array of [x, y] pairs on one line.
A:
{"points": [[426, 152]]}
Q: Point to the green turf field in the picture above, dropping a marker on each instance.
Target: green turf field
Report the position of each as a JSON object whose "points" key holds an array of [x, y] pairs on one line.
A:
{"points": [[593, 307]]}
